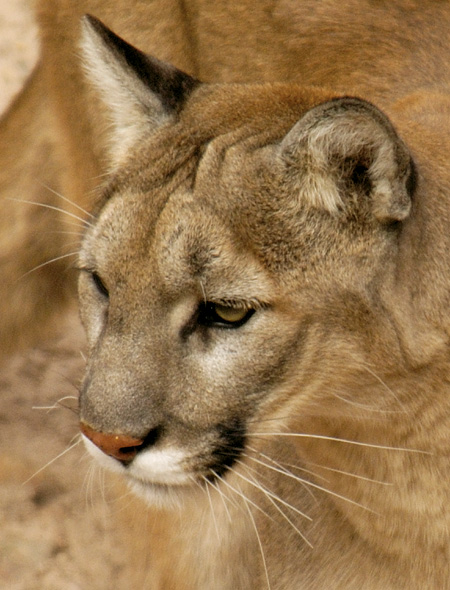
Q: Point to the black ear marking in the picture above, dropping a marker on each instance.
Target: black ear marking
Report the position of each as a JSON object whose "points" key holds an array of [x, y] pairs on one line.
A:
{"points": [[360, 177], [411, 182], [170, 84]]}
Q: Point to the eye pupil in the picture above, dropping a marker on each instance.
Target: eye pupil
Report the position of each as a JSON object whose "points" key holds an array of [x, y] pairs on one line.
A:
{"points": [[101, 288]]}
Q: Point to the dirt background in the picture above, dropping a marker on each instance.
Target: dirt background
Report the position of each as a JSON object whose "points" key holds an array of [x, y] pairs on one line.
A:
{"points": [[57, 514]]}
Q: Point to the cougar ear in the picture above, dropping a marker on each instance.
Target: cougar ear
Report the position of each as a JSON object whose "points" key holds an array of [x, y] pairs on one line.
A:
{"points": [[140, 91], [346, 150]]}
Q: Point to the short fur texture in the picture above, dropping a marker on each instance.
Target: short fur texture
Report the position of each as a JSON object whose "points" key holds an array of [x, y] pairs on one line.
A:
{"points": [[264, 279]]}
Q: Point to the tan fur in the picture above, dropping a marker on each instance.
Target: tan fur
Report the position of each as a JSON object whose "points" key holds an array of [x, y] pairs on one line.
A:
{"points": [[317, 213], [381, 50]]}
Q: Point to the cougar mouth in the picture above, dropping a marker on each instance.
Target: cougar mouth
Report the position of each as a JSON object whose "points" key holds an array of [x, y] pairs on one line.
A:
{"points": [[164, 474]]}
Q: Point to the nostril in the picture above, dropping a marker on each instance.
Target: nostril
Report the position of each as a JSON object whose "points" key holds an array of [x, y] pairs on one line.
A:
{"points": [[152, 437], [120, 446]]}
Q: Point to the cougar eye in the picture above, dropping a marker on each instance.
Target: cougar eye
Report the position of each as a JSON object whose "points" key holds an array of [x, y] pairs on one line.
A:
{"points": [[100, 285], [230, 314], [211, 314]]}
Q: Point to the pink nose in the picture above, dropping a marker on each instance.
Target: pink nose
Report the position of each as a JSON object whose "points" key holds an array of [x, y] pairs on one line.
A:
{"points": [[120, 446]]}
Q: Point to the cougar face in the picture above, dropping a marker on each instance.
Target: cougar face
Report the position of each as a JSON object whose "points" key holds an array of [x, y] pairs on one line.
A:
{"points": [[173, 306], [232, 269]]}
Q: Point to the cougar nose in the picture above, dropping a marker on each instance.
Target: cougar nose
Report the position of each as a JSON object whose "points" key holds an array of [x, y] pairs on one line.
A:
{"points": [[120, 446]]}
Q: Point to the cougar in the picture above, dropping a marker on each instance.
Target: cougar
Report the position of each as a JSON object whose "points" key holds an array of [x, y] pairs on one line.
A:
{"points": [[263, 280]]}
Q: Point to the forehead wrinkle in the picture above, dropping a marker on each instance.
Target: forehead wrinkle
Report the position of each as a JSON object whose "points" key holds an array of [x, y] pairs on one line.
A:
{"points": [[182, 233], [213, 155], [140, 196], [201, 255]]}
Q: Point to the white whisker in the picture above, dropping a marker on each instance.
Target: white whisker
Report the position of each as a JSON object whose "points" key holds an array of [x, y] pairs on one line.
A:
{"points": [[72, 446], [364, 407], [233, 489], [308, 471], [313, 485], [259, 543], [224, 500], [302, 483], [343, 440], [268, 493], [283, 514], [53, 208], [104, 489], [120, 500], [347, 473], [72, 244], [212, 508], [88, 484], [49, 262], [56, 405], [60, 196], [386, 387], [74, 224]]}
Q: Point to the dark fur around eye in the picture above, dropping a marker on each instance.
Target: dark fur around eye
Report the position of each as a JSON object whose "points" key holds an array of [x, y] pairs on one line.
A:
{"points": [[99, 284]]}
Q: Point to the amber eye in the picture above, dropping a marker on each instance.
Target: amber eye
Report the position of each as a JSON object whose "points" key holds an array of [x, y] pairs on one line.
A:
{"points": [[229, 316]]}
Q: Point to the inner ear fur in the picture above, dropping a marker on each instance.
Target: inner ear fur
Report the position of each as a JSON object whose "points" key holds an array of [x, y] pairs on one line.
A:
{"points": [[345, 148], [140, 91]]}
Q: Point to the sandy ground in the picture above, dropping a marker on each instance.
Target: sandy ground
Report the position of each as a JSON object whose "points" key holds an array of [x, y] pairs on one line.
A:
{"points": [[56, 514]]}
